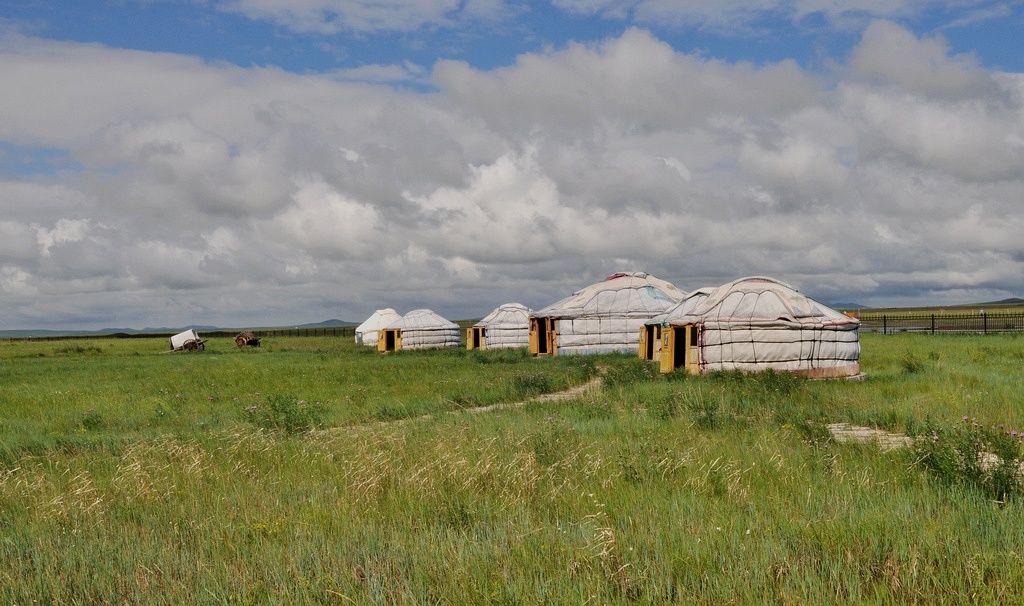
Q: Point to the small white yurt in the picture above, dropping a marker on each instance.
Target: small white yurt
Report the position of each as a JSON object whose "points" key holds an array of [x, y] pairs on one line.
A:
{"points": [[603, 317], [419, 329], [366, 333], [754, 324], [650, 332], [506, 327]]}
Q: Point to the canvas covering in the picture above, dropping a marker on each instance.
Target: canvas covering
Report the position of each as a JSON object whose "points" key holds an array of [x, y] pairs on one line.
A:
{"points": [[684, 306], [179, 340], [759, 323], [508, 326], [424, 329], [366, 333], [607, 316]]}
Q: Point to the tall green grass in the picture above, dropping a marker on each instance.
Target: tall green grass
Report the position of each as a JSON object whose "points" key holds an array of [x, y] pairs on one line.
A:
{"points": [[66, 395], [652, 489]]}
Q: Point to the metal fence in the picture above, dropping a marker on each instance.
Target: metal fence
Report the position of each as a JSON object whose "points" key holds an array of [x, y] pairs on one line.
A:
{"points": [[943, 323]]}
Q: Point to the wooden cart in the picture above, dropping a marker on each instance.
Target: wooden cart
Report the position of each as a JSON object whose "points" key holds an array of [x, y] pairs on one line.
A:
{"points": [[187, 341], [247, 337]]}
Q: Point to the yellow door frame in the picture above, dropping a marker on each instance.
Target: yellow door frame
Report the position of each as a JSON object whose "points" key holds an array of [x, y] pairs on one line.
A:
{"points": [[543, 337], [680, 348], [389, 339], [476, 337]]}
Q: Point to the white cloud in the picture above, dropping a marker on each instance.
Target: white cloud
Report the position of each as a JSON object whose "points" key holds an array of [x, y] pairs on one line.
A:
{"points": [[891, 54], [795, 163], [164, 265], [327, 224], [678, 166], [975, 138], [327, 17], [735, 16], [508, 212], [222, 192], [17, 241], [365, 16], [381, 74], [981, 15], [16, 283], [66, 230]]}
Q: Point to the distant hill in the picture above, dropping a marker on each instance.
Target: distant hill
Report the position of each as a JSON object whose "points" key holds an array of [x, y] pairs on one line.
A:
{"points": [[29, 333], [847, 306], [195, 327], [1011, 301], [329, 324]]}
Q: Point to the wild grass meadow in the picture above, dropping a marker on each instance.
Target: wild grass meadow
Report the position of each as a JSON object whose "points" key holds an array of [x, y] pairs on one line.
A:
{"points": [[310, 471]]}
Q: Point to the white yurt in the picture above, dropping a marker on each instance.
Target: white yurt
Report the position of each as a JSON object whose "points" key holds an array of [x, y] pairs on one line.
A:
{"points": [[419, 329], [506, 327], [760, 323], [366, 333], [603, 317]]}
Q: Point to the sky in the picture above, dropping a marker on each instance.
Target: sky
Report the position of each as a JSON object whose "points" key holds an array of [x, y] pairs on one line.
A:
{"points": [[254, 163]]}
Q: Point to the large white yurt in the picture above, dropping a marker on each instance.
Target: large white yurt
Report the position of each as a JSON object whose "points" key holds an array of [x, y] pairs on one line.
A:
{"points": [[603, 317], [758, 323], [506, 327], [366, 333], [419, 329]]}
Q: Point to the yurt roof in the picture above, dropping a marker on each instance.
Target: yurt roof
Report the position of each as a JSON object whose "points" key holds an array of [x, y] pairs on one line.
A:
{"points": [[422, 319], [379, 319], [506, 315], [693, 299], [623, 293], [756, 299]]}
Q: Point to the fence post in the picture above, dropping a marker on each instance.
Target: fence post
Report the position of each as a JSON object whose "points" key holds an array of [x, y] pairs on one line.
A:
{"points": [[984, 318], [885, 330], [933, 324]]}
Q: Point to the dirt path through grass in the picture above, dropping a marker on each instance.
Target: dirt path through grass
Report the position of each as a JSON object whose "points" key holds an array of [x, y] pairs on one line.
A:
{"points": [[557, 396], [844, 432], [841, 432]]}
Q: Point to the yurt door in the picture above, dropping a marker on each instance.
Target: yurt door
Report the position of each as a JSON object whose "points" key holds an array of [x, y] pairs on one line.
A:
{"points": [[650, 341], [542, 336], [475, 337], [692, 358], [680, 348], [389, 340], [668, 348], [536, 338]]}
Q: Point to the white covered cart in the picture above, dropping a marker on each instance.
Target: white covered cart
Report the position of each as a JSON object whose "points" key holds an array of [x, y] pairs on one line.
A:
{"points": [[187, 341]]}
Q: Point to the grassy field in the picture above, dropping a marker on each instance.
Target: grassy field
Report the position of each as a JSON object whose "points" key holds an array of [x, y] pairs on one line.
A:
{"points": [[312, 471]]}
